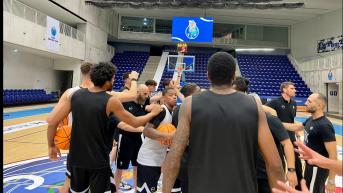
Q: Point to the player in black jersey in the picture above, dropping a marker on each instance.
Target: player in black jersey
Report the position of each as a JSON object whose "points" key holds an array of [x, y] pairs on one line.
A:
{"points": [[130, 138], [224, 130], [91, 139]]}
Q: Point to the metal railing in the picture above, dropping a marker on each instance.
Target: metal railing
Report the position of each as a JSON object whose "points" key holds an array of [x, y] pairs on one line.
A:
{"points": [[21, 10]]}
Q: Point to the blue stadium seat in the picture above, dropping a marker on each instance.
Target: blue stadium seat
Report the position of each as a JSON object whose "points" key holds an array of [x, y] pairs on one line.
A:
{"points": [[266, 72]]}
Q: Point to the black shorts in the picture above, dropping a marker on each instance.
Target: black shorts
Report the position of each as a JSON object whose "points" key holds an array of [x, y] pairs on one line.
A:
{"points": [[263, 186], [95, 180], [298, 170], [68, 169], [315, 178], [147, 179], [128, 148]]}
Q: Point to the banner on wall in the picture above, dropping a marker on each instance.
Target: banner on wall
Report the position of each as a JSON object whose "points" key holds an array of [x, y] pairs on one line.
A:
{"points": [[53, 34], [330, 76], [330, 44]]}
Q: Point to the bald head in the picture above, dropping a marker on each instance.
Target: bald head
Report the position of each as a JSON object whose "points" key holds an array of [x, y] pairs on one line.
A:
{"points": [[142, 88], [315, 102], [321, 98], [142, 93]]}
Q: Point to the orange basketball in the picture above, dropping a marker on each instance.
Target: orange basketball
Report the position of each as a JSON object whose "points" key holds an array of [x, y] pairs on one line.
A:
{"points": [[62, 137], [166, 128]]}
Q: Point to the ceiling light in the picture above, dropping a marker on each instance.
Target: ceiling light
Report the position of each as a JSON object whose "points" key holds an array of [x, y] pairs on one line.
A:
{"points": [[15, 50], [255, 49]]}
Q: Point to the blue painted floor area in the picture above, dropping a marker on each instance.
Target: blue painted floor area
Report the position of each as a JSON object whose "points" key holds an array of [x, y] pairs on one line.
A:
{"points": [[338, 128], [42, 176], [25, 113]]}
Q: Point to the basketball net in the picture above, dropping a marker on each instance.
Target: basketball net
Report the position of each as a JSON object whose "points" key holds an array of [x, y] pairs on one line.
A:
{"points": [[179, 68]]}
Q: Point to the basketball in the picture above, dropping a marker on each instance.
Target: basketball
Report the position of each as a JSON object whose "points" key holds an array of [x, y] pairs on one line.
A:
{"points": [[62, 137], [166, 128]]}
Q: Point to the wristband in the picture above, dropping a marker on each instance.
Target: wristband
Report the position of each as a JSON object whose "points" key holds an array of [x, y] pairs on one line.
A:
{"points": [[134, 79], [291, 169]]}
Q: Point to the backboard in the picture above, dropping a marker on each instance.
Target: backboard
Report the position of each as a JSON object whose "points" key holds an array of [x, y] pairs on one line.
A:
{"points": [[181, 63]]}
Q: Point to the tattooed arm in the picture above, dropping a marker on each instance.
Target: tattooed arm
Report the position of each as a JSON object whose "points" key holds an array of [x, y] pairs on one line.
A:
{"points": [[180, 141]]}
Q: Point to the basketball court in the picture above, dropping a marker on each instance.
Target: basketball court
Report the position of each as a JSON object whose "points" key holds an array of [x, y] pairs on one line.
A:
{"points": [[46, 42], [27, 167]]}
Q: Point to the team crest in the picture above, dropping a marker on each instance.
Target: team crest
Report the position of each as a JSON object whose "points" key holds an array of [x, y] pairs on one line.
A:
{"points": [[192, 31]]}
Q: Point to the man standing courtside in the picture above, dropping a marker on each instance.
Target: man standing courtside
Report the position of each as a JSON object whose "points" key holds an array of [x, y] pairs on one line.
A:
{"points": [[286, 109]]}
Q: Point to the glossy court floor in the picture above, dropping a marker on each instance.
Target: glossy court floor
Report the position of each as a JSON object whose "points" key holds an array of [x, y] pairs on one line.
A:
{"points": [[26, 167]]}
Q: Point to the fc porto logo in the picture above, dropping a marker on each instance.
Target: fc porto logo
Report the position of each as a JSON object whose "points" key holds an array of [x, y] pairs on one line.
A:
{"points": [[330, 75], [53, 32], [192, 31]]}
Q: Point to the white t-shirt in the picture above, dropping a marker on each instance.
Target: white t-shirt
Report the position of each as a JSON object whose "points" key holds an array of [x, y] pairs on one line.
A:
{"points": [[152, 153], [70, 92]]}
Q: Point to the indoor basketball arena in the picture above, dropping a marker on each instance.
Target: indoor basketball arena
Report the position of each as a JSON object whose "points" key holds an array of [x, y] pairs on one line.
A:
{"points": [[182, 96]]}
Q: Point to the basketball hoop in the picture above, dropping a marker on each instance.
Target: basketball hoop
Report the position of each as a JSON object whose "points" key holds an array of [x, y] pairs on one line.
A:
{"points": [[180, 67]]}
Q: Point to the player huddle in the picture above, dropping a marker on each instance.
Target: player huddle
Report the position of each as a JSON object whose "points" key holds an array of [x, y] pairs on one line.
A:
{"points": [[221, 134]]}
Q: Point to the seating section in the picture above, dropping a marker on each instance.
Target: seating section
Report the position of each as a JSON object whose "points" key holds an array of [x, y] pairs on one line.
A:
{"points": [[126, 62], [199, 76], [267, 72], [27, 96]]}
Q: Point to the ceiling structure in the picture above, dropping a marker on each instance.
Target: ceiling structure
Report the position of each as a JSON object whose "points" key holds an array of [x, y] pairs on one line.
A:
{"points": [[266, 12], [56, 11], [216, 4]]}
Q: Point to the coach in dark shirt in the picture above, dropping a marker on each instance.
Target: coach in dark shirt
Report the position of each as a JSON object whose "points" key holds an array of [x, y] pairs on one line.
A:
{"points": [[319, 135], [286, 109]]}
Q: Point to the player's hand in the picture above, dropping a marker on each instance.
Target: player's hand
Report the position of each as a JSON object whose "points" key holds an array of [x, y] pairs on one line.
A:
{"points": [[292, 179], [148, 108], [308, 154], [288, 189], [134, 75], [156, 109], [140, 129], [331, 188], [172, 84], [54, 153], [171, 135]]}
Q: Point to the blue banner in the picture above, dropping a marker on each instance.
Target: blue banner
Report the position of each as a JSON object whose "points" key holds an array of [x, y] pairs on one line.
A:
{"points": [[192, 29]]}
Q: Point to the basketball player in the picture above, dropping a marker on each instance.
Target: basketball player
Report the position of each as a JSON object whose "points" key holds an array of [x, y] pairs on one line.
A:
{"points": [[241, 84], [224, 129], [286, 109], [284, 147], [168, 83], [130, 139], [157, 97], [127, 82], [151, 84], [281, 139], [188, 90], [319, 135], [86, 83], [151, 154], [91, 140]]}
